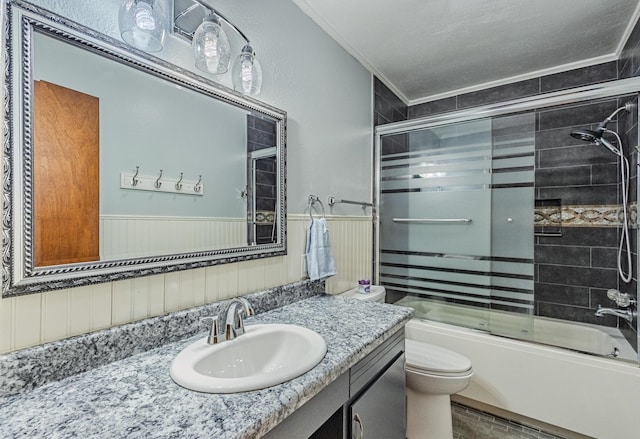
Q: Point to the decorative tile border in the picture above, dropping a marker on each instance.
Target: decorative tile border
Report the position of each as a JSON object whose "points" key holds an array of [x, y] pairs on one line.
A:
{"points": [[583, 216], [265, 217]]}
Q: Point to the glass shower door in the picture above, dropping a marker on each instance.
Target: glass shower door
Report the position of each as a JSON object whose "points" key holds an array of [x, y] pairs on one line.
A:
{"points": [[435, 221], [456, 221]]}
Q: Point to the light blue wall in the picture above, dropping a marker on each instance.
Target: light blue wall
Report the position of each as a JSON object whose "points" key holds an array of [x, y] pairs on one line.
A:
{"points": [[327, 94], [204, 137]]}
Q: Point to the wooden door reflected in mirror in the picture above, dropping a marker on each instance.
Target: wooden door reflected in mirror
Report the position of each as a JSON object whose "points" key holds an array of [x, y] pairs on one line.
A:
{"points": [[66, 185]]}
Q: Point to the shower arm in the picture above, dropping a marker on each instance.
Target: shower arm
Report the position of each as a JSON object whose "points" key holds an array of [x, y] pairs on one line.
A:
{"points": [[628, 106]]}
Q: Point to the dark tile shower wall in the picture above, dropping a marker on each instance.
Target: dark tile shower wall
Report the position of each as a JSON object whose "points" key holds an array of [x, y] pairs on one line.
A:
{"points": [[628, 67], [573, 271], [387, 106], [261, 134], [531, 87]]}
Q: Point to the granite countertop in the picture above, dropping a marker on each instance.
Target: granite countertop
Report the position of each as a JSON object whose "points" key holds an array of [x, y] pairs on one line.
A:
{"points": [[135, 397]]}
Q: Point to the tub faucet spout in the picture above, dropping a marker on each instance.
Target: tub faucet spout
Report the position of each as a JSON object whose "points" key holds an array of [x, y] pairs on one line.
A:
{"points": [[626, 314]]}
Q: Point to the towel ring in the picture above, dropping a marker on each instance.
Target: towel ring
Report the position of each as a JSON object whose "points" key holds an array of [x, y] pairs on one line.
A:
{"points": [[312, 200]]}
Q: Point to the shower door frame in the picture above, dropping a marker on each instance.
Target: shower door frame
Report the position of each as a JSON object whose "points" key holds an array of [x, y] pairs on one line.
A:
{"points": [[531, 103]]}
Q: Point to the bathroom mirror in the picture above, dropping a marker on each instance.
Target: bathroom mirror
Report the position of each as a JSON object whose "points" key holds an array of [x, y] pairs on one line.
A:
{"points": [[118, 164]]}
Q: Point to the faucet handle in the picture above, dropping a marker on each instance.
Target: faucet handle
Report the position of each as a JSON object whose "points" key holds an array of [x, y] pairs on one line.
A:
{"points": [[214, 330], [235, 324], [613, 294], [247, 307], [623, 300], [240, 319], [246, 311]]}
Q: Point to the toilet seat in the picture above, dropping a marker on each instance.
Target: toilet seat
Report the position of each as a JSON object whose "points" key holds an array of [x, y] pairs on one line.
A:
{"points": [[424, 358]]}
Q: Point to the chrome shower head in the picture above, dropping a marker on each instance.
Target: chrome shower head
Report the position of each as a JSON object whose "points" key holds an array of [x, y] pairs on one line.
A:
{"points": [[595, 137], [586, 135]]}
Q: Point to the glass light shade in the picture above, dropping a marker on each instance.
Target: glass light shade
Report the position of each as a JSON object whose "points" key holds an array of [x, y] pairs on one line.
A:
{"points": [[142, 24], [247, 72], [211, 48]]}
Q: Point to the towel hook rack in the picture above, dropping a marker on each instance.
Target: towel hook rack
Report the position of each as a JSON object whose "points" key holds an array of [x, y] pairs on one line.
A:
{"points": [[313, 199]]}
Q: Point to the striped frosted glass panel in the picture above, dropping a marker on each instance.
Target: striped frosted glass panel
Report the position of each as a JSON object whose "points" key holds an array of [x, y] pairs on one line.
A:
{"points": [[456, 213], [435, 162]]}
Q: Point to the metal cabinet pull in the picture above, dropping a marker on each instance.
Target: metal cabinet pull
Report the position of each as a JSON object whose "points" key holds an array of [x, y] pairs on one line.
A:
{"points": [[359, 432]]}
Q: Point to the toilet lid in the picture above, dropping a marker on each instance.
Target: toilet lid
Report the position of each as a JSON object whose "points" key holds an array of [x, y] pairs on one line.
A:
{"points": [[432, 358]]}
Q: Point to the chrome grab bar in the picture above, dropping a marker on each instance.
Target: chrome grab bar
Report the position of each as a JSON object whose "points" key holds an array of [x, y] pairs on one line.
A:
{"points": [[432, 220]]}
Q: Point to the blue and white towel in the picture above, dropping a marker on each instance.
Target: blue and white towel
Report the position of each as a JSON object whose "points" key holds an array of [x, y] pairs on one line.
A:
{"points": [[320, 263]]}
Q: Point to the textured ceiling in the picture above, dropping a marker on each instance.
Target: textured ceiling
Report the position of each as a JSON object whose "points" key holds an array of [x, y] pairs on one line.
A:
{"points": [[428, 49]]}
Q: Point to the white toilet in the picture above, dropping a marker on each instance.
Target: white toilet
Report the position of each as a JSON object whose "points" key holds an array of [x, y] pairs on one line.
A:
{"points": [[433, 373]]}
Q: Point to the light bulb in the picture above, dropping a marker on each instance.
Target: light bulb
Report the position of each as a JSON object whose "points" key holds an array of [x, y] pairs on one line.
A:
{"points": [[247, 72], [246, 76], [144, 16], [142, 24], [210, 47]]}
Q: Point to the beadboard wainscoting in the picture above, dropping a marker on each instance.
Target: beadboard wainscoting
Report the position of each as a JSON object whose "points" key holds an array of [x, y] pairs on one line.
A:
{"points": [[130, 236], [39, 318]]}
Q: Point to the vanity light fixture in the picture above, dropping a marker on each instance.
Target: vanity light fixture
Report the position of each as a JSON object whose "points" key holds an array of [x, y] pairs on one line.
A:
{"points": [[247, 72], [142, 24], [204, 27]]}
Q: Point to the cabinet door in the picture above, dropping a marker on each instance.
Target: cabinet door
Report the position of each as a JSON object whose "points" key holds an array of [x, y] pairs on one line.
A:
{"points": [[380, 412]]}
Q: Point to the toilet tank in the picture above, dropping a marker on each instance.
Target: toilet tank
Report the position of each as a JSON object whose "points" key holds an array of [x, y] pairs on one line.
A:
{"points": [[377, 293]]}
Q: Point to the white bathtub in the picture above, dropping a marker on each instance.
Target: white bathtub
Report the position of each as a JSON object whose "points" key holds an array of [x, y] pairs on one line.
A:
{"points": [[593, 396], [582, 337]]}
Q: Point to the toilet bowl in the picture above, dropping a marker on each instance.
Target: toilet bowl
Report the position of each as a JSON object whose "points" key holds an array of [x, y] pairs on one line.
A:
{"points": [[433, 373]]}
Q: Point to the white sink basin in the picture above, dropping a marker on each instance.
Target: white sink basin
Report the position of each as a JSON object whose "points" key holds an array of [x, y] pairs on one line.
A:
{"points": [[265, 355]]}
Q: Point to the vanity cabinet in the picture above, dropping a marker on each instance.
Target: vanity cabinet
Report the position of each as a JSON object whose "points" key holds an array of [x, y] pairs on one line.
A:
{"points": [[369, 398], [380, 411]]}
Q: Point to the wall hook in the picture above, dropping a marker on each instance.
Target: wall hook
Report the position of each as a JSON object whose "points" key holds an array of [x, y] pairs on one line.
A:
{"points": [[134, 180], [197, 186], [178, 184], [158, 183]]}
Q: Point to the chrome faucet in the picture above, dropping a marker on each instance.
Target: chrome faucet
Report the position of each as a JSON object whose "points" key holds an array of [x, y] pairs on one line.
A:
{"points": [[625, 304], [234, 321], [626, 314], [234, 317]]}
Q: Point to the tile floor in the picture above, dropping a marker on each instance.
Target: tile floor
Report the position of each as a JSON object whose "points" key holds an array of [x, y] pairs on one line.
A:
{"points": [[472, 424]]}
